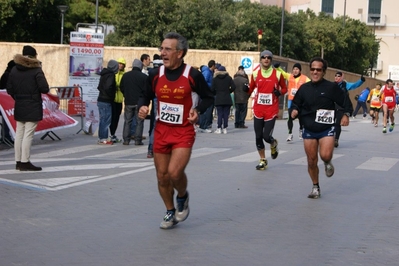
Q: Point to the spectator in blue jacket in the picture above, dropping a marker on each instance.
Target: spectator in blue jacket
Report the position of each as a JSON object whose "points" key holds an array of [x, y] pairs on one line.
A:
{"points": [[345, 86], [206, 118], [361, 102]]}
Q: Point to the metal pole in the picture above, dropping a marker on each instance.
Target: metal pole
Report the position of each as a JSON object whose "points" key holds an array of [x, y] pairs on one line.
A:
{"points": [[374, 18], [282, 28], [96, 15], [372, 63], [62, 9], [344, 14], [62, 27]]}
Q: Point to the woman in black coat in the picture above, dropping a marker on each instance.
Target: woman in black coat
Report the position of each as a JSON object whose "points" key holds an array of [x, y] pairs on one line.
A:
{"points": [[26, 83], [222, 86]]}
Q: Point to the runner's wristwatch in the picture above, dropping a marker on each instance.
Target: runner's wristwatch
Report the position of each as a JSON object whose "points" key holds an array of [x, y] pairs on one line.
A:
{"points": [[347, 114]]}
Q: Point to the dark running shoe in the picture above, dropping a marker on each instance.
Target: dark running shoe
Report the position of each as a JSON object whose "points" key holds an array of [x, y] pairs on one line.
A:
{"points": [[274, 150]]}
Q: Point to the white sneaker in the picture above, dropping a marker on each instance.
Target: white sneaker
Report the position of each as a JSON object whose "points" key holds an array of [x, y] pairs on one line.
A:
{"points": [[224, 130], [290, 137], [300, 134], [206, 130], [315, 194], [218, 131], [168, 221], [329, 169], [182, 209]]}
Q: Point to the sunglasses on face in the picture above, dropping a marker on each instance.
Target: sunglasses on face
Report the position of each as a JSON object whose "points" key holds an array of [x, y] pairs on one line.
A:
{"points": [[266, 57], [316, 69]]}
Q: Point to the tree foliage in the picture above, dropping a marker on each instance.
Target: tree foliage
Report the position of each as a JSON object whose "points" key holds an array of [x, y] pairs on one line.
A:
{"points": [[208, 24], [40, 20]]}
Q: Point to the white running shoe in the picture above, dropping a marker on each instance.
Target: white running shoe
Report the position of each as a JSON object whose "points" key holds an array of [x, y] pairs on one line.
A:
{"points": [[182, 209], [218, 131], [168, 220], [300, 134], [315, 194], [329, 169], [224, 130], [290, 137]]}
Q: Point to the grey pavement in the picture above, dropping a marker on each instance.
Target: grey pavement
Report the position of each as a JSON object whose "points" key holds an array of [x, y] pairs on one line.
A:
{"points": [[96, 205]]}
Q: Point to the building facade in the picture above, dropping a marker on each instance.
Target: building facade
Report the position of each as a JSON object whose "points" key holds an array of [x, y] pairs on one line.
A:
{"points": [[379, 15]]}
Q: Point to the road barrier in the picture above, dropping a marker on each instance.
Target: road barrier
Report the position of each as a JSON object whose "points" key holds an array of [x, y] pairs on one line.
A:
{"points": [[70, 103]]}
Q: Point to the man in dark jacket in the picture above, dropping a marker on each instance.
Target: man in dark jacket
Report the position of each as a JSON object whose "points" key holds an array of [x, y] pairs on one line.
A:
{"points": [[132, 86], [222, 86], [26, 83], [107, 88], [344, 86], [314, 104], [241, 98]]}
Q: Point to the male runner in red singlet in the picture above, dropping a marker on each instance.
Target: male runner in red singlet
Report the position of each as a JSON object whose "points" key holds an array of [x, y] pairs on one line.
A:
{"points": [[270, 85], [178, 87], [388, 100]]}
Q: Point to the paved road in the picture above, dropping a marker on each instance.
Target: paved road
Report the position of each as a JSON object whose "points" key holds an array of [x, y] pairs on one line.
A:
{"points": [[94, 205]]}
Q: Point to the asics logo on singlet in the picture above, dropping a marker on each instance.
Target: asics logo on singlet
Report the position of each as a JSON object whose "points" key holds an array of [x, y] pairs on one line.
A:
{"points": [[170, 108], [179, 90]]}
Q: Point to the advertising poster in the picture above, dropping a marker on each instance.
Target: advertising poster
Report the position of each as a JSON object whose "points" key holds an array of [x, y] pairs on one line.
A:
{"points": [[393, 72], [92, 118], [86, 60], [53, 118]]}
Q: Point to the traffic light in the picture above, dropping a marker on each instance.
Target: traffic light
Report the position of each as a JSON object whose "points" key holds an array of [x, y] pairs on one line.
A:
{"points": [[260, 34]]}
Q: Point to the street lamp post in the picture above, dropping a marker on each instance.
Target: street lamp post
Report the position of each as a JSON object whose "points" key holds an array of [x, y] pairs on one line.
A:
{"points": [[96, 15], [282, 29], [343, 23], [374, 19], [62, 9]]}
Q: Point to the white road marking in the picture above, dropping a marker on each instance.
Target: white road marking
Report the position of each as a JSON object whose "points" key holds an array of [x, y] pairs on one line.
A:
{"points": [[304, 161], [378, 164], [206, 151], [52, 182], [58, 183], [118, 153], [63, 152], [248, 157], [64, 186], [81, 167]]}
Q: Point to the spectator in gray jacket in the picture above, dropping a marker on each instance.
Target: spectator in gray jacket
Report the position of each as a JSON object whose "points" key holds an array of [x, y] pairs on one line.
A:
{"points": [[241, 98]]}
